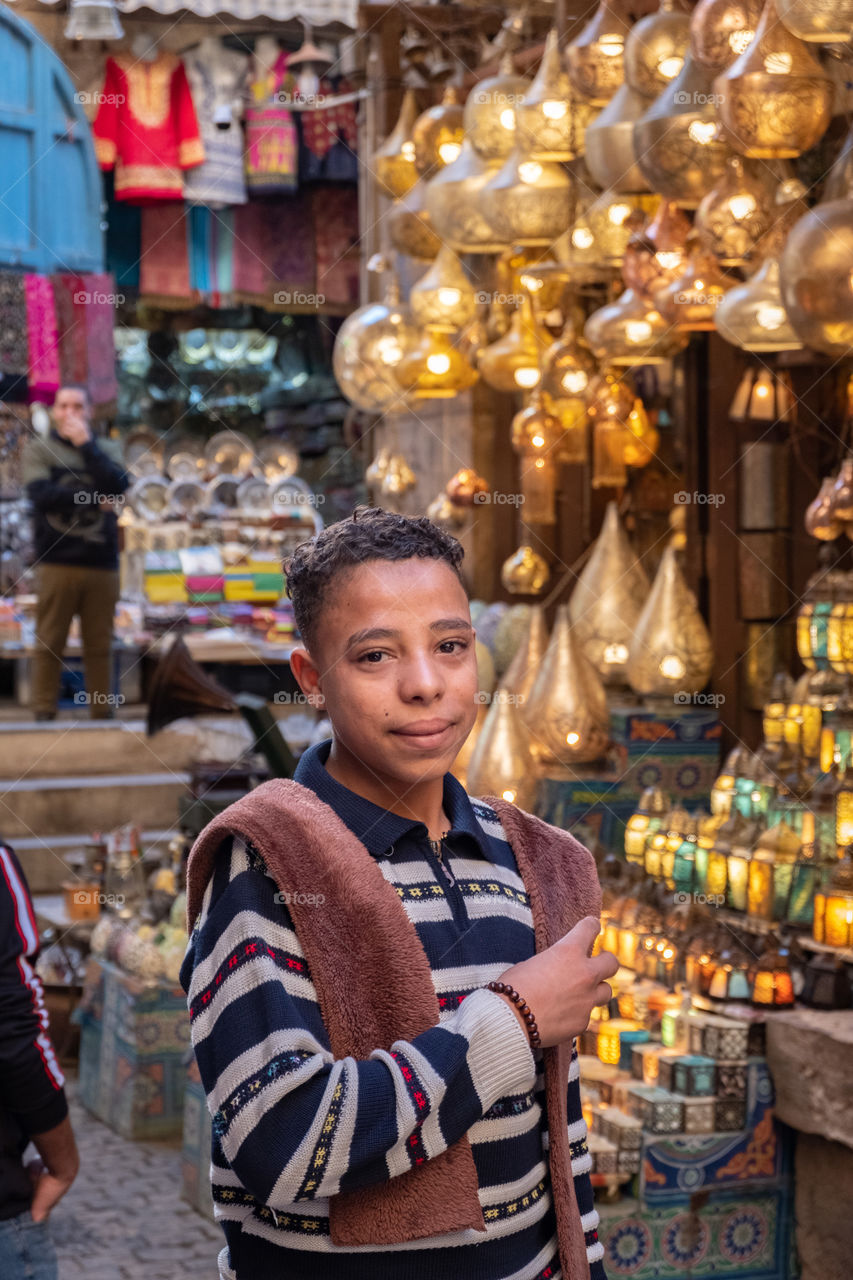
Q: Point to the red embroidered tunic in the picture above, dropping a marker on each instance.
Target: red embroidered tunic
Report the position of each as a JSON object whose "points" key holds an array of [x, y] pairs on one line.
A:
{"points": [[146, 127]]}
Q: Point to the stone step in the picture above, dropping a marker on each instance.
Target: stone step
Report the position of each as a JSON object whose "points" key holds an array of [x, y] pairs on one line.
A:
{"points": [[43, 859], [44, 807]]}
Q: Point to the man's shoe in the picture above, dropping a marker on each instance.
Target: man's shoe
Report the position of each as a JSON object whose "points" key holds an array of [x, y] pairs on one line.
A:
{"points": [[45, 715]]}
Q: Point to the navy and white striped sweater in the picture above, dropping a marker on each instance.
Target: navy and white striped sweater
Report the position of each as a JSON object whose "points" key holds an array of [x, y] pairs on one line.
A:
{"points": [[292, 1126]]}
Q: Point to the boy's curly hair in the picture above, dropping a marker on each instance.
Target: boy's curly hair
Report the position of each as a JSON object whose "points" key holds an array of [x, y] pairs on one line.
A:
{"points": [[370, 534]]}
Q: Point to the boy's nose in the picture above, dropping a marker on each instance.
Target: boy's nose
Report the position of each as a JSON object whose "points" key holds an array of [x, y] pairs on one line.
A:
{"points": [[420, 679]]}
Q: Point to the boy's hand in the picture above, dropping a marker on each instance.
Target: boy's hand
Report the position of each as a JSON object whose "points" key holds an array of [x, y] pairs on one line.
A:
{"points": [[76, 431], [564, 983]]}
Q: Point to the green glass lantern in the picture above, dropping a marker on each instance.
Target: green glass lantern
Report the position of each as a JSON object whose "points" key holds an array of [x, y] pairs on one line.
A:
{"points": [[679, 824], [707, 829], [684, 861], [744, 787], [717, 876]]}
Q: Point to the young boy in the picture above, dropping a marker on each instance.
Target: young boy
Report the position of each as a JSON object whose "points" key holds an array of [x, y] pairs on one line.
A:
{"points": [[378, 1111]]}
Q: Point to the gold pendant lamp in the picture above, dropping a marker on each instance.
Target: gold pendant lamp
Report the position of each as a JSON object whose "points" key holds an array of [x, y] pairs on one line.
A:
{"points": [[514, 362], [734, 216], [517, 680], [596, 59], [438, 132], [567, 714], [443, 298], [527, 201], [454, 205], [671, 651], [820, 21], [655, 49], [691, 301], [551, 120], [657, 253], [609, 145], [816, 273], [608, 598], [752, 316], [410, 226], [435, 368], [489, 114], [630, 332], [393, 165], [720, 31], [368, 348], [500, 764]]}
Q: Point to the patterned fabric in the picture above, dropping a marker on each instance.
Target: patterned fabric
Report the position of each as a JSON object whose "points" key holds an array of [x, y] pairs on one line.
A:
{"points": [[211, 253], [271, 142], [323, 126], [293, 1126], [335, 220], [146, 127], [13, 322], [217, 78], [273, 248], [100, 341], [71, 328], [164, 270]]}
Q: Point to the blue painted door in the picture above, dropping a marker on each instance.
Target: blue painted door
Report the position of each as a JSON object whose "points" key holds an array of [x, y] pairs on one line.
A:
{"points": [[50, 185]]}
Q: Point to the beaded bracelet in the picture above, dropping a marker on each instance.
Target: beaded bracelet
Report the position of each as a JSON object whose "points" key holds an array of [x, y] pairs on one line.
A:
{"points": [[504, 989]]}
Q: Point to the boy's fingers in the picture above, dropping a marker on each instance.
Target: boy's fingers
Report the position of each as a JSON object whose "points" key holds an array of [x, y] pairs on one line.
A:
{"points": [[585, 933], [604, 965]]}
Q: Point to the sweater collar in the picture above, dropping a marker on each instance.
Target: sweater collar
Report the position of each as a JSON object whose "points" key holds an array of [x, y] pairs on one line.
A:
{"points": [[377, 829]]}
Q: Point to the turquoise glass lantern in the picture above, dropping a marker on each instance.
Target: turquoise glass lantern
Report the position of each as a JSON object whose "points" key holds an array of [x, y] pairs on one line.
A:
{"points": [[684, 861], [744, 787]]}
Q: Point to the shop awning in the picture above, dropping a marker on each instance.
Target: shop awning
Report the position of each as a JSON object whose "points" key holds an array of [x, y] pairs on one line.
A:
{"points": [[317, 13]]}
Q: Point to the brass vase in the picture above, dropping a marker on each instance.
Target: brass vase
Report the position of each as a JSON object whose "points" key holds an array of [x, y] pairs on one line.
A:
{"points": [[670, 656], [608, 598], [567, 713]]}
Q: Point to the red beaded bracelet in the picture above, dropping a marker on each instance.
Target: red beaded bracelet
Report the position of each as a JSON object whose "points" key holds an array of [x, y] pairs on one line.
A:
{"points": [[504, 989]]}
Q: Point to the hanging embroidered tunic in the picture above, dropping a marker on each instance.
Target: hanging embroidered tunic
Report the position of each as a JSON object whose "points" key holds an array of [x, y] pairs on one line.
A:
{"points": [[146, 127], [217, 78], [271, 141]]}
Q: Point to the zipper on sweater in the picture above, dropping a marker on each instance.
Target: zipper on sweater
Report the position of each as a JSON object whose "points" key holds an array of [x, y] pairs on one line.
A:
{"points": [[435, 845], [452, 892]]}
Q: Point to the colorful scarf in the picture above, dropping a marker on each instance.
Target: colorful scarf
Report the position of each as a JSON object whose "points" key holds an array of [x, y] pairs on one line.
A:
{"points": [[42, 338]]}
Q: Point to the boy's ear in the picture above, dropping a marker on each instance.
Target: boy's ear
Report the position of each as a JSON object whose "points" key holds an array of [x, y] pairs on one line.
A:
{"points": [[307, 675]]}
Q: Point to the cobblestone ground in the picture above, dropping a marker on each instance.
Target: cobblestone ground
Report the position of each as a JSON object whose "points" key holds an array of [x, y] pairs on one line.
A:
{"points": [[123, 1219]]}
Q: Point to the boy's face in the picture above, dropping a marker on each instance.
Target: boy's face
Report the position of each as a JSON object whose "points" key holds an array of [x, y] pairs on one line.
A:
{"points": [[396, 663]]}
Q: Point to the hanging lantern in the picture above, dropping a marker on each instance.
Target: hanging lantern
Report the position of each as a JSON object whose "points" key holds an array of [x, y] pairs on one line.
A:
{"points": [[643, 440], [399, 478], [538, 484], [732, 978], [443, 298], [393, 165], [453, 204], [753, 316], [738, 863], [609, 143], [527, 201], [464, 487], [378, 469], [676, 140], [762, 396], [691, 301], [459, 768], [671, 651], [596, 58], [551, 120], [816, 269], [446, 514], [776, 99], [773, 986], [535, 431], [833, 907], [536, 270], [567, 711], [647, 819], [820, 519], [410, 226], [609, 470], [513, 363], [500, 763], [601, 232], [631, 332], [655, 49], [368, 348], [434, 369], [93, 20], [656, 254], [739, 210], [567, 369], [489, 116], [519, 676], [820, 21], [771, 870], [608, 598], [525, 572], [438, 132], [720, 31]]}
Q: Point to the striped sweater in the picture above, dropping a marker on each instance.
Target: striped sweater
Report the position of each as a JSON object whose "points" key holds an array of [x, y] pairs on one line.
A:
{"points": [[292, 1126]]}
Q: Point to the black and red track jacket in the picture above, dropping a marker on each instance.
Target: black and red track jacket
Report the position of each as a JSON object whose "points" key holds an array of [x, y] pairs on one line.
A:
{"points": [[32, 1099]]}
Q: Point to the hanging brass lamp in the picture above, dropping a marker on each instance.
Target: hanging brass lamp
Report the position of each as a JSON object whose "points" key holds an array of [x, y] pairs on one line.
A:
{"points": [[525, 572], [514, 362], [676, 141], [630, 332], [775, 100], [551, 120], [438, 132], [691, 301], [443, 298], [609, 143], [738, 211], [816, 271], [368, 347], [657, 253], [596, 58], [519, 676], [567, 369], [655, 49], [601, 231], [535, 431], [434, 368], [527, 201], [671, 651], [605, 605], [454, 206], [489, 115], [500, 764], [393, 165], [820, 21], [720, 31], [410, 226], [567, 713], [753, 316]]}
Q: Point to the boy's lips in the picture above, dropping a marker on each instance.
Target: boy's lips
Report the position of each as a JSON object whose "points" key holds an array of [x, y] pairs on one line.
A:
{"points": [[424, 733]]}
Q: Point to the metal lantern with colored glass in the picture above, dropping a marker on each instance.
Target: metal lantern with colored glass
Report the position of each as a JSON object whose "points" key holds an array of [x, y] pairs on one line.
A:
{"points": [[771, 872], [773, 984], [647, 818], [745, 838], [833, 907]]}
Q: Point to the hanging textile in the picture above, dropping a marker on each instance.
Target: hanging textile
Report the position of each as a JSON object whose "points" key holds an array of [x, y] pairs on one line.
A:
{"points": [[164, 273], [329, 136], [68, 291], [273, 250], [42, 338], [123, 239], [211, 253], [13, 323], [271, 141], [100, 339], [335, 220], [217, 78]]}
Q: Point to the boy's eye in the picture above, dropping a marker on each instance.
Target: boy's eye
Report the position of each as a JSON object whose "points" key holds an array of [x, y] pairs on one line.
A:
{"points": [[372, 655], [453, 646]]}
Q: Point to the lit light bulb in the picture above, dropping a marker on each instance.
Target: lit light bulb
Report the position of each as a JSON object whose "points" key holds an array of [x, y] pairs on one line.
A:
{"points": [[670, 67], [531, 283], [526, 378], [698, 285], [509, 795], [389, 350], [617, 213], [582, 238], [702, 131], [612, 44], [742, 206], [672, 667], [616, 653], [669, 259], [538, 442], [740, 40], [770, 317], [507, 118], [638, 330], [574, 381], [539, 464], [408, 150], [762, 389], [554, 110], [530, 171], [755, 797], [449, 151], [449, 297], [438, 363], [778, 64], [572, 739]]}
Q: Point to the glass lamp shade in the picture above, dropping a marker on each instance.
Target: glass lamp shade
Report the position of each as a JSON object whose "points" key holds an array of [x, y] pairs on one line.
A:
{"points": [[596, 58], [567, 370], [459, 768], [676, 141], [762, 396], [819, 519], [609, 143], [93, 20], [655, 49], [609, 438], [643, 439], [630, 332], [538, 484], [656, 254], [610, 396], [566, 712], [489, 117], [833, 907], [821, 21], [443, 298], [842, 491], [393, 165], [453, 204], [434, 369], [648, 818], [738, 212], [732, 979], [551, 120], [519, 676], [720, 31], [773, 985], [535, 431], [527, 201], [817, 277], [410, 226], [368, 347], [438, 132], [753, 316], [607, 600], [692, 300], [671, 650], [525, 572], [771, 870], [601, 232], [500, 763], [513, 363], [776, 98]]}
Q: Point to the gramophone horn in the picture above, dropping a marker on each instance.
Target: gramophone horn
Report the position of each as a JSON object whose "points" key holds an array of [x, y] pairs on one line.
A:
{"points": [[181, 688]]}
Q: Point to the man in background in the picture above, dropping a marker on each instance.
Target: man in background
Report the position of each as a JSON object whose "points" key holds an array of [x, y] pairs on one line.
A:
{"points": [[75, 485], [33, 1107]]}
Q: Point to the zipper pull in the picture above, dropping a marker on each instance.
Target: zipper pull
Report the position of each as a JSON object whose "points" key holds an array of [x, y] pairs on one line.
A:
{"points": [[435, 845]]}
